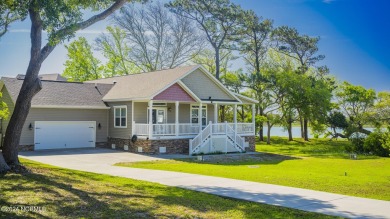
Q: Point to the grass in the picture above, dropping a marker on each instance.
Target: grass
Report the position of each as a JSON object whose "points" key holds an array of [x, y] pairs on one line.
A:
{"points": [[319, 165], [67, 193]]}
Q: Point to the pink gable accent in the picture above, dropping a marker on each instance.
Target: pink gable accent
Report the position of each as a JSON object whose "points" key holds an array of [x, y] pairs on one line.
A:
{"points": [[175, 93]]}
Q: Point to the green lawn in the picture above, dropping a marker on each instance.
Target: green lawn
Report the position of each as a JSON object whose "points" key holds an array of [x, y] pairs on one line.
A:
{"points": [[318, 165], [73, 194]]}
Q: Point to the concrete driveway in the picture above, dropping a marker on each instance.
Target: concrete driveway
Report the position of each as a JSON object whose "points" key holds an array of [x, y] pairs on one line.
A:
{"points": [[91, 157], [101, 161]]}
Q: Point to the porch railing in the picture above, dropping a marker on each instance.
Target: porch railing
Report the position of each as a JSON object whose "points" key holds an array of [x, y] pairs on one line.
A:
{"points": [[188, 129]]}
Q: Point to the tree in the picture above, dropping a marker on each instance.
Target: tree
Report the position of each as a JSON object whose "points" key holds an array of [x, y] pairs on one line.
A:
{"points": [[117, 50], [81, 64], [356, 103], [158, 39], [4, 113], [10, 11], [219, 20], [254, 44], [303, 48], [382, 108], [61, 19]]}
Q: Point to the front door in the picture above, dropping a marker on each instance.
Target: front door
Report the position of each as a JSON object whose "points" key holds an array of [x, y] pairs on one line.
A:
{"points": [[159, 116]]}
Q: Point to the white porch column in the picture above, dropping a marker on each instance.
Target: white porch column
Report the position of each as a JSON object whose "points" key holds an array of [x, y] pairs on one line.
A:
{"points": [[235, 117], [200, 116], [253, 118], [150, 118], [215, 113], [177, 118]]}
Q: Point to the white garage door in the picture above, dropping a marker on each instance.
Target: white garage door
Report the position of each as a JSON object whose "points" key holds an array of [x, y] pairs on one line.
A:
{"points": [[61, 134]]}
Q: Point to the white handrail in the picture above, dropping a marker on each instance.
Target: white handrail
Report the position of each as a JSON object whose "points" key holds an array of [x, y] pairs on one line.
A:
{"points": [[196, 143]]}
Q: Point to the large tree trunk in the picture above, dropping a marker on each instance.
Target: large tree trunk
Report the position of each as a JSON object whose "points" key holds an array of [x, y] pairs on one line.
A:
{"points": [[217, 67], [305, 128], [3, 165], [31, 86], [301, 125], [261, 132], [269, 133], [289, 130]]}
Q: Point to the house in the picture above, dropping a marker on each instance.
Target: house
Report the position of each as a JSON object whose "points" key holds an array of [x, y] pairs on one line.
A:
{"points": [[166, 111]]}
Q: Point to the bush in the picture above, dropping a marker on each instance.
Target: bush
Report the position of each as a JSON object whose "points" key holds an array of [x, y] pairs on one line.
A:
{"points": [[357, 145], [373, 144]]}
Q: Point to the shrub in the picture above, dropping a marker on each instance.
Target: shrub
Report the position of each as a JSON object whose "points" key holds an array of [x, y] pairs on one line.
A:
{"points": [[373, 144]]}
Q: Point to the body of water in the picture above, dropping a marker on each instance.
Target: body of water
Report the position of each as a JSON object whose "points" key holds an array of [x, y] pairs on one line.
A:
{"points": [[296, 132]]}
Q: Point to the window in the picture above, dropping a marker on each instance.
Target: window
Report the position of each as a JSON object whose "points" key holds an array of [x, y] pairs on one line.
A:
{"points": [[120, 116], [195, 114]]}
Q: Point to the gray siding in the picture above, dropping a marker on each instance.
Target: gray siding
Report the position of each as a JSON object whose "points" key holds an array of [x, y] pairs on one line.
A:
{"points": [[210, 113], [171, 114], [203, 87], [120, 132], [140, 112], [184, 113], [37, 114]]}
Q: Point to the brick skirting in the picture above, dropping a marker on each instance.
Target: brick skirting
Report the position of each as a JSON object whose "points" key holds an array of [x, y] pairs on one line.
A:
{"points": [[172, 146]]}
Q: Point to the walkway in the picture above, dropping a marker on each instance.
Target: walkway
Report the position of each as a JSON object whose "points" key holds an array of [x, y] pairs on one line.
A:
{"points": [[101, 161]]}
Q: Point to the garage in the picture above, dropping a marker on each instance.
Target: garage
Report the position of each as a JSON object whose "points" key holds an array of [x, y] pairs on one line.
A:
{"points": [[64, 134]]}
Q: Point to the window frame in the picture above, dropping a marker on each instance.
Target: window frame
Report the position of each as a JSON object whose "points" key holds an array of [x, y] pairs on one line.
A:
{"points": [[204, 106], [120, 116]]}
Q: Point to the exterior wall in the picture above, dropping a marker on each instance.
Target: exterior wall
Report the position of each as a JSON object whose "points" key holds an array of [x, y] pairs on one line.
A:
{"points": [[174, 93], [252, 143], [203, 87], [119, 132], [40, 114], [174, 146], [210, 113], [140, 112], [184, 113]]}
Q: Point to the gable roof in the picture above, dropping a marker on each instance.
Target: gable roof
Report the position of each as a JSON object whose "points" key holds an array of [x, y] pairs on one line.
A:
{"points": [[58, 94], [143, 86], [46, 77]]}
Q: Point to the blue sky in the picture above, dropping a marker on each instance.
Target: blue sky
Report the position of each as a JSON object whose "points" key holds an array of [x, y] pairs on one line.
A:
{"points": [[354, 37]]}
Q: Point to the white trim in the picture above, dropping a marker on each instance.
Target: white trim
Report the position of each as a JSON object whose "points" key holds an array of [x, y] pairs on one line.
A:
{"points": [[220, 103], [165, 108], [120, 107], [201, 117], [175, 81], [67, 107], [207, 73], [188, 90], [132, 118], [246, 98]]}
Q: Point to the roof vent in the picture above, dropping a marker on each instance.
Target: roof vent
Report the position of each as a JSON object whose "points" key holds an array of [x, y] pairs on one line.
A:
{"points": [[114, 82], [95, 85]]}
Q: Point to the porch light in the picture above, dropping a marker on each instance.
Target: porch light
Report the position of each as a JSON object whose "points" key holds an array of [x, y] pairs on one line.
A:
{"points": [[99, 126], [169, 109], [30, 126]]}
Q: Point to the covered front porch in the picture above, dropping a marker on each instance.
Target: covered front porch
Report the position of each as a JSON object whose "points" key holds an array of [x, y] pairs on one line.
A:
{"points": [[175, 119]]}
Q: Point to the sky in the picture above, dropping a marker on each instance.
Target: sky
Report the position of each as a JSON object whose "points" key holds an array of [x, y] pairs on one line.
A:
{"points": [[354, 37]]}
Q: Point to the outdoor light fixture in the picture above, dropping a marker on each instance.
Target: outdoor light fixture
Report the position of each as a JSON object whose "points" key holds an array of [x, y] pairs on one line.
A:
{"points": [[30, 126], [170, 109], [99, 126]]}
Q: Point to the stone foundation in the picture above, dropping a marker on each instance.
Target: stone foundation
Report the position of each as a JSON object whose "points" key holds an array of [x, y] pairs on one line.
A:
{"points": [[252, 143], [26, 147], [172, 146]]}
